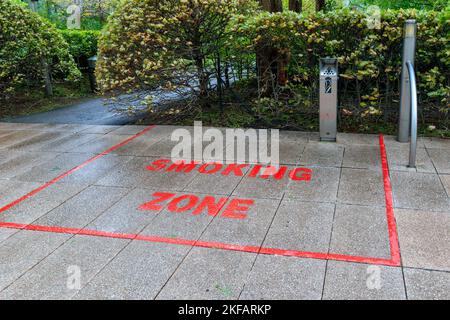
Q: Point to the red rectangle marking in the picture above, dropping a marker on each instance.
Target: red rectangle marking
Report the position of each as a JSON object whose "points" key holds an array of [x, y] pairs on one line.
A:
{"points": [[393, 236]]}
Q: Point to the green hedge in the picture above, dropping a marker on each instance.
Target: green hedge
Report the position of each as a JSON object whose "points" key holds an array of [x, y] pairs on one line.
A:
{"points": [[25, 41], [82, 43], [370, 59]]}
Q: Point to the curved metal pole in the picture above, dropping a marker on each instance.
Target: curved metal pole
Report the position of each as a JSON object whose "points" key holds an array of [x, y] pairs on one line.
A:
{"points": [[413, 93]]}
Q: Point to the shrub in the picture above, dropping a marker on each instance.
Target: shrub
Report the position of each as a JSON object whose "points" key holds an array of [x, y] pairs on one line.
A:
{"points": [[82, 43], [370, 59], [173, 45], [25, 41]]}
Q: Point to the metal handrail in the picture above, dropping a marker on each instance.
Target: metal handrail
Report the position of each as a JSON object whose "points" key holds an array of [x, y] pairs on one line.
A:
{"points": [[413, 93]]}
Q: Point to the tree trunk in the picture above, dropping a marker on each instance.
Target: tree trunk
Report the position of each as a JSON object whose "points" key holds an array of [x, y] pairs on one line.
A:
{"points": [[271, 66], [272, 5], [320, 5], [295, 5]]}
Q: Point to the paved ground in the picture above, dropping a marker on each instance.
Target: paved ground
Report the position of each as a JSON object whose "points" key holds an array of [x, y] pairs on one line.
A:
{"points": [[94, 231]]}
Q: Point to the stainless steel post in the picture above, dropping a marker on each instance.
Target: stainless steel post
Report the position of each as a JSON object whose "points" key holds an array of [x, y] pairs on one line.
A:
{"points": [[328, 98], [413, 106], [409, 52]]}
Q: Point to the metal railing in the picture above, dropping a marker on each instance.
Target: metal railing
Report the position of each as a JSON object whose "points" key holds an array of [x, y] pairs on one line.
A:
{"points": [[413, 95]]}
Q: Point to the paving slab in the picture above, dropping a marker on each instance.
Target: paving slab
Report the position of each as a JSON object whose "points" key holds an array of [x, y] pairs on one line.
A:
{"points": [[36, 142], [427, 285], [69, 142], [95, 170], [263, 188], [48, 127], [285, 278], [290, 151], [54, 167], [5, 132], [6, 233], [128, 129], [138, 146], [183, 225], [214, 183], [43, 202], [441, 159], [99, 129], [160, 132], [23, 250], [296, 135], [361, 187], [10, 190], [136, 273], [301, 226], [392, 142], [419, 191], [446, 181], [161, 149], [24, 162], [322, 187], [358, 139], [99, 145], [353, 281], [360, 231], [249, 231], [362, 157], [17, 137], [322, 154], [83, 208], [135, 174], [398, 159], [424, 238], [208, 274], [127, 174], [54, 278], [125, 216], [437, 143], [6, 156], [11, 126], [75, 128]]}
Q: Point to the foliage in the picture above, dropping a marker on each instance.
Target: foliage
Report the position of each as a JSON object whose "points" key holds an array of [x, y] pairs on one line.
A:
{"points": [[188, 47], [93, 12], [403, 4], [26, 40], [370, 59], [82, 43], [175, 45]]}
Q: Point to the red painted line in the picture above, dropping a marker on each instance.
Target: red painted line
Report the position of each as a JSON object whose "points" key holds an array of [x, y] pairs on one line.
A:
{"points": [[393, 237], [79, 167], [392, 226], [202, 244]]}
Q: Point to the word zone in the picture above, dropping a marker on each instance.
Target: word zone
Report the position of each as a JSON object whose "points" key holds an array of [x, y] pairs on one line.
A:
{"points": [[225, 207]]}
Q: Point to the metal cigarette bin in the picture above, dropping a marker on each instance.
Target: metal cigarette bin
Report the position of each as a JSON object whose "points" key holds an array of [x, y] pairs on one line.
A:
{"points": [[92, 63], [328, 98]]}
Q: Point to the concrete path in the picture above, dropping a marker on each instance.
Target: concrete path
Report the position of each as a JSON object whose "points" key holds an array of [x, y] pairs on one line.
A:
{"points": [[79, 222], [93, 112]]}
